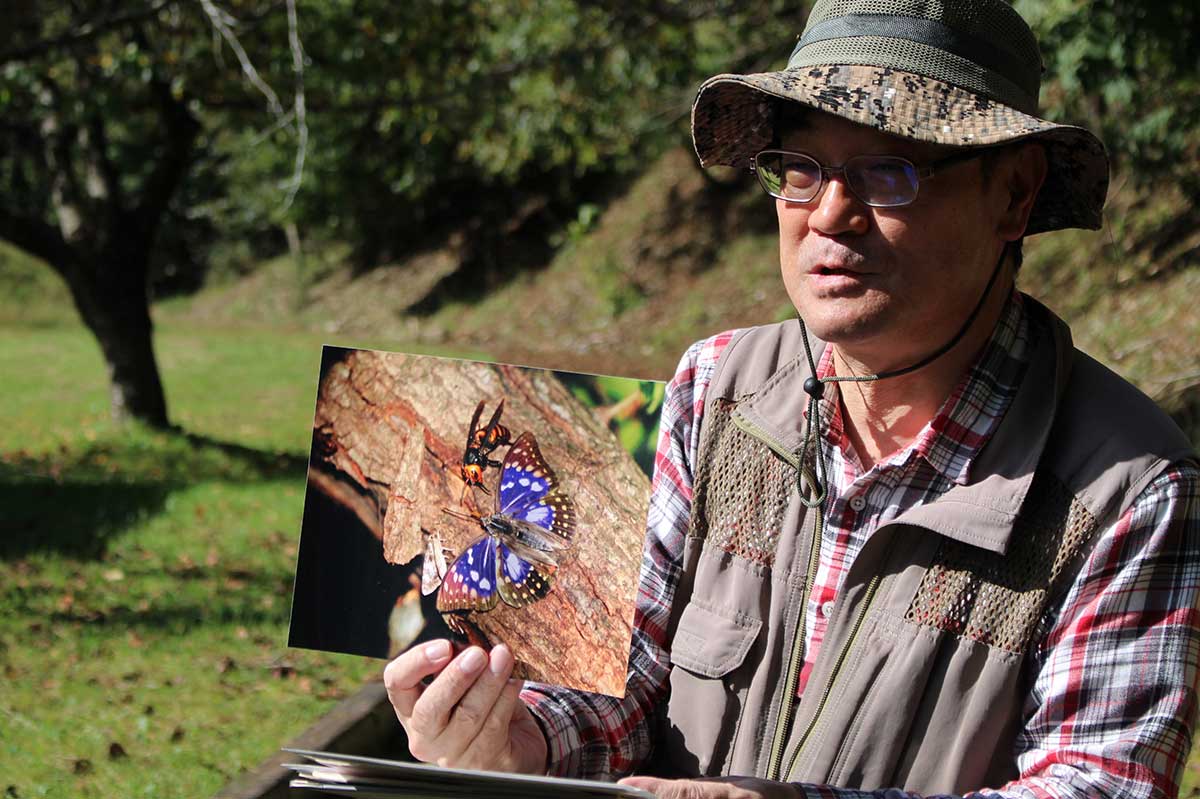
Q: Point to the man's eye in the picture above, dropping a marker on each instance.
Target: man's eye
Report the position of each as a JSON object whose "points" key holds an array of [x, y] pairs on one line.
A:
{"points": [[800, 174]]}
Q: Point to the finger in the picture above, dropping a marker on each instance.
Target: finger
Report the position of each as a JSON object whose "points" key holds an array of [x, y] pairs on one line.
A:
{"points": [[678, 789], [492, 747], [431, 712], [475, 708], [660, 788], [402, 677]]}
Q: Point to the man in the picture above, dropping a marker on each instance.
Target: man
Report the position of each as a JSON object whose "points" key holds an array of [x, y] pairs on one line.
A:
{"points": [[942, 552]]}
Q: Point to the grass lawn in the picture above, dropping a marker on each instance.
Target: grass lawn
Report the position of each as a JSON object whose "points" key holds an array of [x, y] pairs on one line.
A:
{"points": [[145, 577]]}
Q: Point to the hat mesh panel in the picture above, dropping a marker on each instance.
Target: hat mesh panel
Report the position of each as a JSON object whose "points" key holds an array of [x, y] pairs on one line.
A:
{"points": [[995, 21]]}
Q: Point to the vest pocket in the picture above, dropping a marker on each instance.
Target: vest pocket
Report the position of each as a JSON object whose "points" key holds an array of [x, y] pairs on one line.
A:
{"points": [[712, 643], [706, 694]]}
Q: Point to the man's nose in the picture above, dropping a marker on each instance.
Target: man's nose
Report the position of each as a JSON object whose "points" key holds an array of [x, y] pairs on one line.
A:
{"points": [[837, 209]]}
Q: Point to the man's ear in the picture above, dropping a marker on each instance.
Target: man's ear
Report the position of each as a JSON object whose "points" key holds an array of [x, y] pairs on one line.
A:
{"points": [[1021, 176]]}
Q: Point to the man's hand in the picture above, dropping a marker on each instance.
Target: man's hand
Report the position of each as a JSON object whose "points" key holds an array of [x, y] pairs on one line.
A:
{"points": [[471, 715], [716, 788]]}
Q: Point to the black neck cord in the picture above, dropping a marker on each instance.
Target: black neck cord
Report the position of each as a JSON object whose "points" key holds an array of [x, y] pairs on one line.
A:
{"points": [[815, 387]]}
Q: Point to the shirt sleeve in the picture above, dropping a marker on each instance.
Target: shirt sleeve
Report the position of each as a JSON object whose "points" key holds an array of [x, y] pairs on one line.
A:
{"points": [[592, 736], [1113, 700]]}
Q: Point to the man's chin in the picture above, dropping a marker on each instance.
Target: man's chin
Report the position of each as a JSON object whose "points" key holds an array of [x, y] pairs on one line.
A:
{"points": [[835, 323]]}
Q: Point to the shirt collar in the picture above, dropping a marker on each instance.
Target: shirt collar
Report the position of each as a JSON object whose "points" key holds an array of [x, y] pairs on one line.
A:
{"points": [[970, 414]]}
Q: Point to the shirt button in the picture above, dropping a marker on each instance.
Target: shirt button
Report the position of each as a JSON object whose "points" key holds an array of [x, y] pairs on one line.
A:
{"points": [[827, 609], [857, 502]]}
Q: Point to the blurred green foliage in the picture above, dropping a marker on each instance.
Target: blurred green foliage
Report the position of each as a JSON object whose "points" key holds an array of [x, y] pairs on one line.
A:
{"points": [[1131, 72], [631, 408]]}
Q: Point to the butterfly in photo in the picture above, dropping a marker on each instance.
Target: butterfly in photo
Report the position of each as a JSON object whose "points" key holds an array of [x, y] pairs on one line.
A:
{"points": [[481, 442], [515, 560]]}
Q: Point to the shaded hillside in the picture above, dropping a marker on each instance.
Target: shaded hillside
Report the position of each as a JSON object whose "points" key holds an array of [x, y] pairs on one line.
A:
{"points": [[682, 255]]}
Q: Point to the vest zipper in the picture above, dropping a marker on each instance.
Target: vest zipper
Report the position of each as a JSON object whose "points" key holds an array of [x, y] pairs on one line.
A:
{"points": [[862, 614], [796, 661]]}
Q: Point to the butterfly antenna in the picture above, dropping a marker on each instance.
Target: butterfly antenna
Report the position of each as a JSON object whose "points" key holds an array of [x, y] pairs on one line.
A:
{"points": [[460, 515]]}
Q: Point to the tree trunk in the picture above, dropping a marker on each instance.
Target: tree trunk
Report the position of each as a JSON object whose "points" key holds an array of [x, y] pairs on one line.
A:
{"points": [[111, 299], [395, 426]]}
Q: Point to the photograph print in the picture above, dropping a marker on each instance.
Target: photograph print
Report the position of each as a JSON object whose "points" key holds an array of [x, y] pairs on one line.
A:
{"points": [[485, 503]]}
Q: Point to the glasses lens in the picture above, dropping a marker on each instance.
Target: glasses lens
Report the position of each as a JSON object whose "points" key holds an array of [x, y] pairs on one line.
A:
{"points": [[882, 180], [791, 176]]}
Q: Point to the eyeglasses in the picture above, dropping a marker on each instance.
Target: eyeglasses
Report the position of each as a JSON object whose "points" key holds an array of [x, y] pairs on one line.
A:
{"points": [[880, 181]]}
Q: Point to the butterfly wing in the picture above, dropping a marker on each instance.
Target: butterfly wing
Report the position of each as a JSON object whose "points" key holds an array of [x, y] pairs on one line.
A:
{"points": [[520, 582], [471, 582], [529, 490], [433, 565]]}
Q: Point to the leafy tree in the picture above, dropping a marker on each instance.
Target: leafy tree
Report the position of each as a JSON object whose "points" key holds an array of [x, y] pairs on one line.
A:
{"points": [[102, 105]]}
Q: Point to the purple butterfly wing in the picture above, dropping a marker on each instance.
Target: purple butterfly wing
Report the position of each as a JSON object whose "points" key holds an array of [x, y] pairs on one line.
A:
{"points": [[520, 582], [470, 584], [529, 490]]}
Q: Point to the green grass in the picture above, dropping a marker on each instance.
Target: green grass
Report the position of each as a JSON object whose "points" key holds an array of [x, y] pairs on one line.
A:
{"points": [[145, 577]]}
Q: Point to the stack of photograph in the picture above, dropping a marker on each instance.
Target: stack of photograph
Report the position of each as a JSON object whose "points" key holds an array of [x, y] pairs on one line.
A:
{"points": [[350, 775]]}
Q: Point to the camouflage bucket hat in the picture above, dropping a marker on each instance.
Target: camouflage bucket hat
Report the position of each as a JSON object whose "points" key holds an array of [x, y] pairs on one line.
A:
{"points": [[957, 72]]}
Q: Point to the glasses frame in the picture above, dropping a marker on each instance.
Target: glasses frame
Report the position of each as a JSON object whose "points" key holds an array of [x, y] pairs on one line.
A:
{"points": [[922, 172]]}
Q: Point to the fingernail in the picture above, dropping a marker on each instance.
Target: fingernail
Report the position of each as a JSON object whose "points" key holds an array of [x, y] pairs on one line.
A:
{"points": [[472, 660], [501, 660], [437, 651]]}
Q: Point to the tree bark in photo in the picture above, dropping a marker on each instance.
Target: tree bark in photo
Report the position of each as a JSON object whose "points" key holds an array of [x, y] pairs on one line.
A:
{"points": [[394, 427]]}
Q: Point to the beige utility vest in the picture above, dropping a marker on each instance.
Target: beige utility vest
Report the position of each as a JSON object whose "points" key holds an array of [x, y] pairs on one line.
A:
{"points": [[918, 683]]}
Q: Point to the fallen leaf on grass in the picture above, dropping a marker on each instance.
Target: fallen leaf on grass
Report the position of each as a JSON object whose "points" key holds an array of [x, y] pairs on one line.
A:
{"points": [[113, 575]]}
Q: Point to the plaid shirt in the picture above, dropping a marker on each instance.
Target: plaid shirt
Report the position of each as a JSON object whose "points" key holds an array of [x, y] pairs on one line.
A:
{"points": [[1112, 697]]}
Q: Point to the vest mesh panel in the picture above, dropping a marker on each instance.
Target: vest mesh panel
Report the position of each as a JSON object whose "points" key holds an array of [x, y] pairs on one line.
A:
{"points": [[741, 491], [999, 600]]}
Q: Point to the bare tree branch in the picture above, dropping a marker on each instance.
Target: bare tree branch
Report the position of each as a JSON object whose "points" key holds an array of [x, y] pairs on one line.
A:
{"points": [[299, 104], [224, 23]]}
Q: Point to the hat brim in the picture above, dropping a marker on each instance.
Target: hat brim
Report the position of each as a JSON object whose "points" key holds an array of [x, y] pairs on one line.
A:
{"points": [[733, 118]]}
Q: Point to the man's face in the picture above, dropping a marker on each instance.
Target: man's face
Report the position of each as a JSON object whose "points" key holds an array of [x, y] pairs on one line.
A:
{"points": [[891, 283]]}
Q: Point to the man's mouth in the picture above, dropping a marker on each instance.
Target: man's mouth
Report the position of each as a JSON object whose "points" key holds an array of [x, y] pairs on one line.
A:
{"points": [[824, 270]]}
